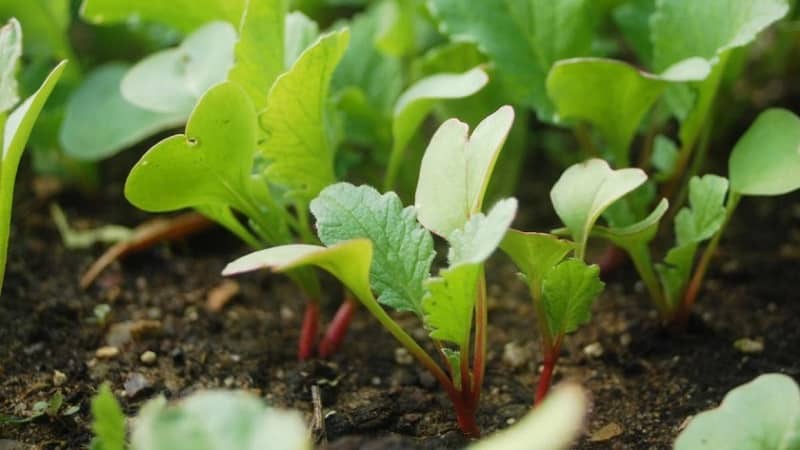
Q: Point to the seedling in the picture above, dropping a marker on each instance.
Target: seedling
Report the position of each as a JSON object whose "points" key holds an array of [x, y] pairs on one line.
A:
{"points": [[564, 289], [15, 123], [760, 415], [381, 252]]}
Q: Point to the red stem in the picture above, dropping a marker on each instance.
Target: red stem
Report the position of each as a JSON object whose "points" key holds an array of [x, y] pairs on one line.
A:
{"points": [[466, 420], [337, 329], [308, 332], [546, 378], [612, 259]]}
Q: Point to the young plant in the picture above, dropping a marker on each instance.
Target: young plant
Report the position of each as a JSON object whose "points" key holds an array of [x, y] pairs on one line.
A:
{"points": [[253, 147], [563, 289], [764, 162], [15, 123], [381, 252], [763, 414]]}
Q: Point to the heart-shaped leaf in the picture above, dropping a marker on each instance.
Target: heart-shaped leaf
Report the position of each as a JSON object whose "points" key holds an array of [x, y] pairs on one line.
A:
{"points": [[766, 160]]}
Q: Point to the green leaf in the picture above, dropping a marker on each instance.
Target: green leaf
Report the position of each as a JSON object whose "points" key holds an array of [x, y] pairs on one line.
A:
{"points": [[45, 24], [611, 95], [16, 131], [398, 35], [108, 424], [402, 249], [184, 15], [665, 157], [676, 270], [586, 189], [349, 261], [10, 51], [300, 33], [171, 81], [418, 100], [706, 212], [212, 420], [124, 123], [450, 301], [210, 164], [766, 160], [535, 254], [633, 20], [298, 143], [568, 291], [481, 235], [763, 414], [456, 170], [637, 234], [524, 38], [553, 425], [260, 49]]}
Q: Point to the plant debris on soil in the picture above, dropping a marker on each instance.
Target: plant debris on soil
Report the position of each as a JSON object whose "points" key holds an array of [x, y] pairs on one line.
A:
{"points": [[173, 327]]}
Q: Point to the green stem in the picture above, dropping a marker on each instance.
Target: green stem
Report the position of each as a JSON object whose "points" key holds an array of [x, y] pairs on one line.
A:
{"points": [[481, 323], [681, 316], [395, 160], [6, 199], [644, 266]]}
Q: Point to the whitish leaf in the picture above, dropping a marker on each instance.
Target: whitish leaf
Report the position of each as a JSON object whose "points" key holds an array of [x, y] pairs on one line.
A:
{"points": [[418, 100], [586, 189], [184, 15], [766, 160], [348, 261], [763, 414], [611, 95], [298, 145], [553, 425], [171, 81], [535, 254], [456, 170], [482, 234], [216, 420], [10, 51], [260, 49], [706, 212], [524, 38], [124, 124], [16, 131], [450, 301], [108, 424], [402, 249], [568, 291]]}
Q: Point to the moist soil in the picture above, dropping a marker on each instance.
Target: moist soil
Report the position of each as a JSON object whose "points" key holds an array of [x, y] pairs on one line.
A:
{"points": [[644, 382]]}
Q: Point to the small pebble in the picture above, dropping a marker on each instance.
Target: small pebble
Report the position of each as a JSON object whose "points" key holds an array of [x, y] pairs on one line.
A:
{"points": [[606, 433], [106, 352], [148, 357], [401, 356], [59, 378], [136, 383], [750, 346], [593, 350], [625, 340], [286, 313], [376, 381], [516, 355]]}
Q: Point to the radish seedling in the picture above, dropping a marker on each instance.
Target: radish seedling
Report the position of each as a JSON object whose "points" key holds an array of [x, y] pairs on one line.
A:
{"points": [[381, 252], [15, 123]]}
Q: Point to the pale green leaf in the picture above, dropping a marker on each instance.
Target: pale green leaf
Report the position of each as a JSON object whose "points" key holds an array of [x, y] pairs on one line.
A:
{"points": [[706, 212], [171, 81], [633, 19], [300, 33], [665, 157], [611, 95], [298, 145], [482, 234], [418, 100], [636, 234], [763, 414], [184, 15], [766, 160], [260, 49], [348, 261], [675, 271], [456, 170], [535, 254], [524, 38], [402, 249], [124, 124], [217, 420], [10, 51], [553, 425], [45, 24], [450, 301], [108, 424], [568, 291], [586, 189]]}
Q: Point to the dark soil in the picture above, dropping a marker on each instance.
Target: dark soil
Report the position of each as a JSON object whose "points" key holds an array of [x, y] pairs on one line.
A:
{"points": [[646, 381]]}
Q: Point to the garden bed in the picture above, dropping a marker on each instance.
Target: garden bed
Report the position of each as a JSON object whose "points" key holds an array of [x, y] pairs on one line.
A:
{"points": [[643, 382]]}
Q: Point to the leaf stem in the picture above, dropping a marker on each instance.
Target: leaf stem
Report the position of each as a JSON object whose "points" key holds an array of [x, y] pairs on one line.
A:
{"points": [[308, 331], [337, 329], [644, 266], [549, 364], [481, 323]]}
